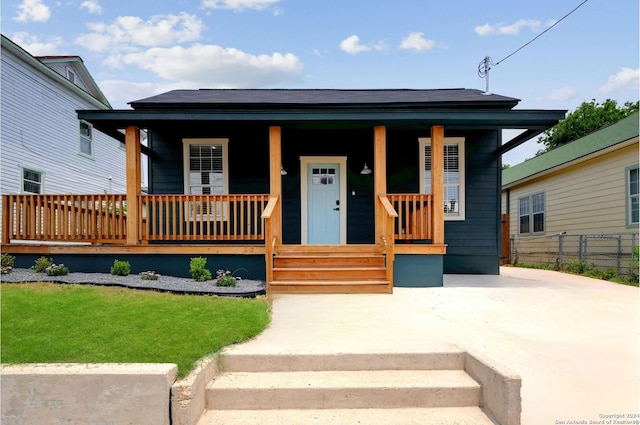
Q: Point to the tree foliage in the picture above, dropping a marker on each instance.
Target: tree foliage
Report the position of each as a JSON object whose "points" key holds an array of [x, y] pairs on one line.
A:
{"points": [[587, 118]]}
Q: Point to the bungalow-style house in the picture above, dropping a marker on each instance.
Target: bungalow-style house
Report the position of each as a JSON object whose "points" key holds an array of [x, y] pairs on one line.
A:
{"points": [[586, 187], [311, 190], [45, 147]]}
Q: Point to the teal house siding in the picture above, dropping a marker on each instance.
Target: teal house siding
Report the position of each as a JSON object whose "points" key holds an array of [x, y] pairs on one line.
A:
{"points": [[473, 245]]}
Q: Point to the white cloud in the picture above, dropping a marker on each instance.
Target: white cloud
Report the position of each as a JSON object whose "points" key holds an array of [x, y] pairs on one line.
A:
{"points": [[92, 6], [625, 79], [217, 67], [512, 29], [33, 45], [417, 42], [563, 93], [33, 11], [127, 33], [238, 5], [352, 45]]}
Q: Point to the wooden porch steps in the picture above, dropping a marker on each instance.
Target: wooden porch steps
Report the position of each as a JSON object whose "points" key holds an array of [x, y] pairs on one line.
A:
{"points": [[329, 269]]}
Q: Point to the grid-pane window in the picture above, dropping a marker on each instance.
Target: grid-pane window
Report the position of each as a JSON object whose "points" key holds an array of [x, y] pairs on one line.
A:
{"points": [[634, 194], [206, 169], [31, 181], [86, 138], [453, 176], [531, 214]]}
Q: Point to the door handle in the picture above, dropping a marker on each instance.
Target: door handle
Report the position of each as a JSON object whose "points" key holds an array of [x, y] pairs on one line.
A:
{"points": [[336, 209]]}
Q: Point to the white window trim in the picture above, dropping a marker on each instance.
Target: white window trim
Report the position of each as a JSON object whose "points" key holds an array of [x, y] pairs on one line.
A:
{"points": [[93, 146], [37, 170], [529, 197], [422, 141], [222, 211], [627, 178]]}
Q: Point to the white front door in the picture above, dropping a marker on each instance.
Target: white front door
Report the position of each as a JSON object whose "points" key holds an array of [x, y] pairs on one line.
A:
{"points": [[323, 200]]}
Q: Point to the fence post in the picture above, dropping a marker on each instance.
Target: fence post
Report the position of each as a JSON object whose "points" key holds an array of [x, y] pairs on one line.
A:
{"points": [[619, 256], [560, 251], [581, 248]]}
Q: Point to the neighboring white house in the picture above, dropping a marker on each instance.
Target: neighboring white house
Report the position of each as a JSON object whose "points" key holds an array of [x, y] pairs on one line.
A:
{"points": [[45, 148]]}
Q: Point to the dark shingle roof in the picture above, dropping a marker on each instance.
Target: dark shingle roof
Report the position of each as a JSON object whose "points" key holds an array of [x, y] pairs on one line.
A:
{"points": [[309, 98]]}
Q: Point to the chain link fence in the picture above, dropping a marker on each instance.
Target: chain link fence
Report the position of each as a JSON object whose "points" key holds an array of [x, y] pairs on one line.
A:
{"points": [[610, 251]]}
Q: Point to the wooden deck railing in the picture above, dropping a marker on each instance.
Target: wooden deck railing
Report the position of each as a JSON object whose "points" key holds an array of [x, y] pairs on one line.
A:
{"points": [[271, 216], [414, 221], [202, 217], [102, 218], [388, 215], [64, 218]]}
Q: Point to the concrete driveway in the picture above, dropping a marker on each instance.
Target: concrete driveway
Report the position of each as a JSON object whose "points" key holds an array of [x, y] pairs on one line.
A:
{"points": [[574, 341]]}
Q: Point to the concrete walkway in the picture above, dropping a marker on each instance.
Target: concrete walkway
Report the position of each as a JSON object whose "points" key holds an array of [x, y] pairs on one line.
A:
{"points": [[574, 341]]}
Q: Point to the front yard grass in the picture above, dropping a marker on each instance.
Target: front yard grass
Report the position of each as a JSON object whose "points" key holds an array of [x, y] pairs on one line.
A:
{"points": [[52, 323]]}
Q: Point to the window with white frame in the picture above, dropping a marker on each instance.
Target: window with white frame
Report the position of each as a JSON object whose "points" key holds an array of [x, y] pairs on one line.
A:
{"points": [[531, 212], [454, 175], [206, 173], [32, 180], [86, 138], [633, 203]]}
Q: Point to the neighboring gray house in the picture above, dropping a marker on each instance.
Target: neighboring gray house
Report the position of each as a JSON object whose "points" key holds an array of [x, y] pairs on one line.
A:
{"points": [[45, 147]]}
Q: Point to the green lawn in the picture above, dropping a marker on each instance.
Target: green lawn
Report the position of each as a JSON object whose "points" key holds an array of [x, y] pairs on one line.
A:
{"points": [[50, 323]]}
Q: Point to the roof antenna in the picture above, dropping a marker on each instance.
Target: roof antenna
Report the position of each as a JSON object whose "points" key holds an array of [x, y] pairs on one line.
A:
{"points": [[483, 71]]}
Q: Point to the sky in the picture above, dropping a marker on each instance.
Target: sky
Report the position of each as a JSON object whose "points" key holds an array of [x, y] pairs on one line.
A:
{"points": [[135, 49]]}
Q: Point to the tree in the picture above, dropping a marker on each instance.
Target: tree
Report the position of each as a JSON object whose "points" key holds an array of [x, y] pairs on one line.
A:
{"points": [[587, 118]]}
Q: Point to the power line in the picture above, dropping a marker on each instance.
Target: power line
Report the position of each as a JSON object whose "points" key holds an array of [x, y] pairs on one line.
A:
{"points": [[543, 32], [485, 65]]}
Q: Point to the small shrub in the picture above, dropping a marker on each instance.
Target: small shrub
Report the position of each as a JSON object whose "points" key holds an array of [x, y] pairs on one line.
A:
{"points": [[198, 270], [42, 264], [610, 274], [120, 268], [225, 278], [7, 263], [149, 275], [56, 270]]}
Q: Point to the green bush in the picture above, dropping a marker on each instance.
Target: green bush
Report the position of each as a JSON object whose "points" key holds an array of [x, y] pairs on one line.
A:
{"points": [[7, 263], [41, 264], [198, 270], [149, 275], [120, 268], [225, 278], [57, 270]]}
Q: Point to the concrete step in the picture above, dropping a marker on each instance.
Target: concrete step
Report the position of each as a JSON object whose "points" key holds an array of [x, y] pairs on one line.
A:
{"points": [[417, 416], [342, 390], [449, 358], [329, 286]]}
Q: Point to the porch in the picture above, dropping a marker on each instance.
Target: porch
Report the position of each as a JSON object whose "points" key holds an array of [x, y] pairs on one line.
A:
{"points": [[233, 224], [217, 224]]}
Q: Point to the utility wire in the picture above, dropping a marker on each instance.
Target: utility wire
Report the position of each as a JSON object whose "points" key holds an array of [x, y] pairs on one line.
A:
{"points": [[539, 35]]}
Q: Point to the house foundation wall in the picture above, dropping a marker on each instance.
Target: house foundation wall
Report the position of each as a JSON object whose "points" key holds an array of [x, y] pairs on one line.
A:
{"points": [[417, 271]]}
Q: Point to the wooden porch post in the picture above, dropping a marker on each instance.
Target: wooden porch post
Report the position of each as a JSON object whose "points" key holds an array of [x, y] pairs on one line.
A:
{"points": [[134, 181], [437, 182], [379, 174], [275, 177]]}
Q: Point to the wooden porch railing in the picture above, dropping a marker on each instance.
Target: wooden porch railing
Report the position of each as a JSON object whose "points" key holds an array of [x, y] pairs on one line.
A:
{"points": [[270, 215], [102, 218], [64, 218], [388, 215], [415, 216], [202, 217]]}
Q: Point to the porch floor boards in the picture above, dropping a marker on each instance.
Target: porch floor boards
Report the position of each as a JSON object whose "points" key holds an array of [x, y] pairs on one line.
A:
{"points": [[329, 269]]}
